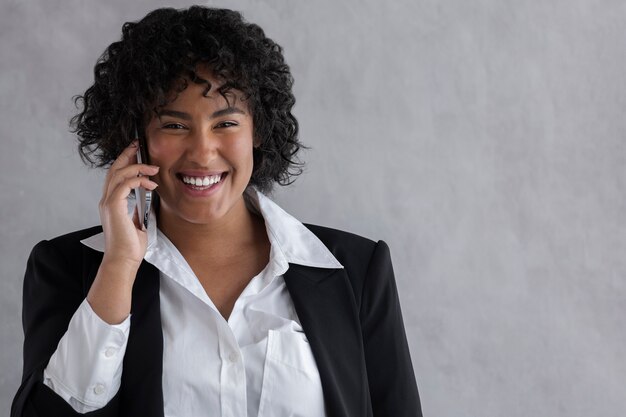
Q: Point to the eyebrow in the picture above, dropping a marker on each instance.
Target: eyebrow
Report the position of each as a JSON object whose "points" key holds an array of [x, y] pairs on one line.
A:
{"points": [[186, 116]]}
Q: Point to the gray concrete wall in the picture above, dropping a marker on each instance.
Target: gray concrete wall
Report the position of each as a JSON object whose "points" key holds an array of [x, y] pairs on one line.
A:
{"points": [[483, 140]]}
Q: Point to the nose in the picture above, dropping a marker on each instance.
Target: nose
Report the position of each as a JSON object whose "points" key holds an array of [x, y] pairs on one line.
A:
{"points": [[203, 145]]}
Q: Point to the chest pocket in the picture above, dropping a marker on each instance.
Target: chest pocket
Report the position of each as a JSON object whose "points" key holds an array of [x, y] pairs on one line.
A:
{"points": [[291, 381]]}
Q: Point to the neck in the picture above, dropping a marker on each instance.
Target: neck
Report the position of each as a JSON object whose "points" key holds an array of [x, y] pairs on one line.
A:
{"points": [[219, 238]]}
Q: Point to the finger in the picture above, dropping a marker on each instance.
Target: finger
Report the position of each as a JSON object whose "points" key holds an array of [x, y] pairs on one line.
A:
{"points": [[122, 191], [136, 221], [126, 157], [129, 172]]}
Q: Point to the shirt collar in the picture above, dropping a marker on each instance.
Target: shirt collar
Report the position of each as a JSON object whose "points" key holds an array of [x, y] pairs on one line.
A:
{"points": [[295, 242]]}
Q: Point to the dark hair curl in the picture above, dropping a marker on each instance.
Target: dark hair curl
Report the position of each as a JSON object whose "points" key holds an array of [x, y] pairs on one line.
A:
{"points": [[135, 76]]}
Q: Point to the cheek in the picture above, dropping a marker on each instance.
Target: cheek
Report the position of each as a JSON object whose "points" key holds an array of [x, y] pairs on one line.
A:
{"points": [[158, 148], [242, 149], [162, 154], [246, 159]]}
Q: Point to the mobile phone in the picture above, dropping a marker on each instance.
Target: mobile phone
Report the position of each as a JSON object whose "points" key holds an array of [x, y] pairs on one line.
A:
{"points": [[143, 197]]}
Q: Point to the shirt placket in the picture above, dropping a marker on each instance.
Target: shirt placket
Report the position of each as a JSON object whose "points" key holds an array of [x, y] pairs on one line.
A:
{"points": [[232, 374]]}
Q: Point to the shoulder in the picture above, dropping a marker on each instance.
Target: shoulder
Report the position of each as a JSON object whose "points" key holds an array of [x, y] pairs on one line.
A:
{"points": [[61, 265], [353, 251], [64, 246], [335, 239], [76, 236]]}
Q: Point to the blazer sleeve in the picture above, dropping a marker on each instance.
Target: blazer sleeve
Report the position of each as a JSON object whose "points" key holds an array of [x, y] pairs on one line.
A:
{"points": [[53, 290], [393, 389]]}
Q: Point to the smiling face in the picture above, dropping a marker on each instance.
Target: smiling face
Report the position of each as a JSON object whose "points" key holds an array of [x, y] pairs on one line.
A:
{"points": [[203, 145]]}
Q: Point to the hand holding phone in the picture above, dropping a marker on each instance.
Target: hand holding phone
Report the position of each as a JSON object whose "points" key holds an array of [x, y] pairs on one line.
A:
{"points": [[125, 240]]}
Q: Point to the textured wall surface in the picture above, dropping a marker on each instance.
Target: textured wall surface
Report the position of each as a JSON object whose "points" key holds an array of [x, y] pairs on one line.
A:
{"points": [[483, 140]]}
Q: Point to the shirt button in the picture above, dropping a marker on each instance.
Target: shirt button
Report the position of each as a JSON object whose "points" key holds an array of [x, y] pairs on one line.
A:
{"points": [[99, 389], [233, 357], [110, 352]]}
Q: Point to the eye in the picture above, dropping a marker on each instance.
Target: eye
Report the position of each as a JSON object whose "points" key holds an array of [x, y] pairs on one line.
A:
{"points": [[174, 126], [226, 124]]}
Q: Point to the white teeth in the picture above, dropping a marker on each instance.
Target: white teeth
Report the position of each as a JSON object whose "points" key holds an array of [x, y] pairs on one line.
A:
{"points": [[202, 181]]}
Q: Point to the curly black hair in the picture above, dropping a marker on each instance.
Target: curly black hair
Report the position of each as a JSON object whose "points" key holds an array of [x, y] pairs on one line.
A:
{"points": [[135, 77]]}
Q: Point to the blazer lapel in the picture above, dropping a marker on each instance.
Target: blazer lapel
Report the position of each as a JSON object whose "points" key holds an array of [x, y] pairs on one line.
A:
{"points": [[325, 305], [141, 392], [142, 386]]}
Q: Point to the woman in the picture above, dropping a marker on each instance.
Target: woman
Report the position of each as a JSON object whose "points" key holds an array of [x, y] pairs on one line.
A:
{"points": [[225, 304]]}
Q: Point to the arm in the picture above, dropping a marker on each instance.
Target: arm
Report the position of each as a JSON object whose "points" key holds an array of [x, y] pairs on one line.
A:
{"points": [[53, 291], [390, 373], [86, 368]]}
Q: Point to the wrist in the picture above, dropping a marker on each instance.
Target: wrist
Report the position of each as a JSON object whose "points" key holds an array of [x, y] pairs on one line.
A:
{"points": [[120, 266], [111, 292]]}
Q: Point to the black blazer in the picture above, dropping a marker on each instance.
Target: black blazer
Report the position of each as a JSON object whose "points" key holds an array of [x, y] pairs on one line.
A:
{"points": [[350, 316]]}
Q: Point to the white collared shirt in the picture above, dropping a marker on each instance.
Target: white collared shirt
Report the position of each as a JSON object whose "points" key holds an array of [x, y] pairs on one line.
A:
{"points": [[258, 363]]}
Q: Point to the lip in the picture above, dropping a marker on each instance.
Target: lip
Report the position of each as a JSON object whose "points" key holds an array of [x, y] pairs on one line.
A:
{"points": [[192, 191], [199, 173]]}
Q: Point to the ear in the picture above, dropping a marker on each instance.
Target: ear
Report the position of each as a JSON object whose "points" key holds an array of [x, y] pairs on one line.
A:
{"points": [[256, 142]]}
